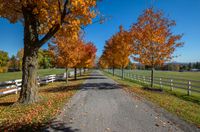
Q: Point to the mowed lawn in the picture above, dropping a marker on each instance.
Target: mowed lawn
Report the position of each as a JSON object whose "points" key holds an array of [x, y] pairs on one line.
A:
{"points": [[170, 74], [180, 81], [18, 75]]}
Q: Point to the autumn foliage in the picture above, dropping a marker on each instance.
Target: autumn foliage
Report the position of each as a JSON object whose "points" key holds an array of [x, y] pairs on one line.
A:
{"points": [[150, 42], [42, 19], [153, 39], [72, 52], [117, 51]]}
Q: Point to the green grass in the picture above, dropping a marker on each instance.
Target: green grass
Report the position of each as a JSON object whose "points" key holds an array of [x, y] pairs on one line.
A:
{"points": [[35, 116], [180, 80], [17, 75], [183, 106], [170, 74]]}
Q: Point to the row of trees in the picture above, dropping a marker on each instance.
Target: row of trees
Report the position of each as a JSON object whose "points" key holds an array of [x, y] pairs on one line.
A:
{"points": [[42, 20], [4, 58], [14, 63], [150, 41], [72, 53]]}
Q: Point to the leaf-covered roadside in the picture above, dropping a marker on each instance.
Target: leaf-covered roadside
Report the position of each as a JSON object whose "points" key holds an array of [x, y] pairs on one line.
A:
{"points": [[35, 116]]}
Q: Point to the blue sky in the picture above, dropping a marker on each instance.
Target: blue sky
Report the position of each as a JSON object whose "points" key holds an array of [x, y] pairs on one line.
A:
{"points": [[125, 12]]}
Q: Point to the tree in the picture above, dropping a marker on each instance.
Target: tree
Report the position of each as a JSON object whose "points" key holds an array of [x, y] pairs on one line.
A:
{"points": [[109, 56], [3, 61], [88, 56], [42, 19], [79, 55], [117, 51], [64, 50], [19, 57], [13, 63], [189, 66], [123, 48], [153, 39], [44, 59]]}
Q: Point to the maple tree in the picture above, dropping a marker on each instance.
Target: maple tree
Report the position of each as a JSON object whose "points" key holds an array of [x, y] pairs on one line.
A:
{"points": [[109, 56], [85, 56], [153, 39], [117, 51], [88, 56], [42, 19], [123, 48], [63, 49]]}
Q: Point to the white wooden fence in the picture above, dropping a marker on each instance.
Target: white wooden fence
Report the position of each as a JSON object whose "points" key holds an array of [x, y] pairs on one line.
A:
{"points": [[171, 83], [14, 86]]}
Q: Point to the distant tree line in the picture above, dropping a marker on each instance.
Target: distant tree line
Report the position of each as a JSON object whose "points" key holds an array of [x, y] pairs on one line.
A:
{"points": [[167, 67], [14, 63]]}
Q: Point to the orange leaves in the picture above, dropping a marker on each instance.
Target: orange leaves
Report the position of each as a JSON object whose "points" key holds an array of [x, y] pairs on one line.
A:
{"points": [[34, 116], [117, 50], [149, 41], [89, 55], [153, 39], [71, 52], [49, 13]]}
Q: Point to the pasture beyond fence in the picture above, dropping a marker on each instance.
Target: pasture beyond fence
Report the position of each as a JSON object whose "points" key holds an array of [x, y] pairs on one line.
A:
{"points": [[14, 86], [189, 86]]}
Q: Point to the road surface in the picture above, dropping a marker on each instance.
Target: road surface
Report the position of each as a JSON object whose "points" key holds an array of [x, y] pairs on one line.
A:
{"points": [[102, 106]]}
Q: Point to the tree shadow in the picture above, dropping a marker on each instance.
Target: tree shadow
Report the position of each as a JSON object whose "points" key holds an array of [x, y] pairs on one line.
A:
{"points": [[88, 78], [100, 86], [38, 127], [62, 89], [59, 126], [185, 97], [6, 103]]}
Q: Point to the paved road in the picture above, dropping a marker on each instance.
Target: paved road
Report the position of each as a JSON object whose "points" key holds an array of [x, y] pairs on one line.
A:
{"points": [[101, 106]]}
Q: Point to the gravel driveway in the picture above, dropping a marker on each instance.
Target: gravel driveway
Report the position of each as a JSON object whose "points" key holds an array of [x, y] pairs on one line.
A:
{"points": [[102, 106]]}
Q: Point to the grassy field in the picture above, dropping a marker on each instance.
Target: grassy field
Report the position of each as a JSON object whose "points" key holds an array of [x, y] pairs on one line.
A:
{"points": [[17, 75], [35, 116], [170, 74], [184, 107], [180, 82]]}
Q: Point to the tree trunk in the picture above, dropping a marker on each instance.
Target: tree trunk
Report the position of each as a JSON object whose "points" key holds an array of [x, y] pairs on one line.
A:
{"points": [[113, 71], [84, 69], [29, 91], [152, 76], [80, 72], [67, 75], [122, 73], [75, 73]]}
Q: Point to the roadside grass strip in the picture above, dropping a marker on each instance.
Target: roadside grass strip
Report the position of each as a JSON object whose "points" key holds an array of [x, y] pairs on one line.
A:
{"points": [[187, 108]]}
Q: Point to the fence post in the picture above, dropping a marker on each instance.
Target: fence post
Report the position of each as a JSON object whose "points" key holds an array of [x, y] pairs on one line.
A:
{"points": [[171, 84], [189, 88], [144, 79], [16, 87], [161, 83]]}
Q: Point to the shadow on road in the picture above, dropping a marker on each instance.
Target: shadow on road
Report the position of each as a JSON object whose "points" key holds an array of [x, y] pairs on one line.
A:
{"points": [[100, 86], [59, 126]]}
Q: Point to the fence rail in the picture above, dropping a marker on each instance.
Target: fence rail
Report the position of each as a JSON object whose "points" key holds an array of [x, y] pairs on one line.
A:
{"points": [[14, 86], [172, 83]]}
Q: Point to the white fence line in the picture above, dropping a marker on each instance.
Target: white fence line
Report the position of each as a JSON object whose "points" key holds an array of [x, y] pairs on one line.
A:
{"points": [[172, 83], [15, 85]]}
